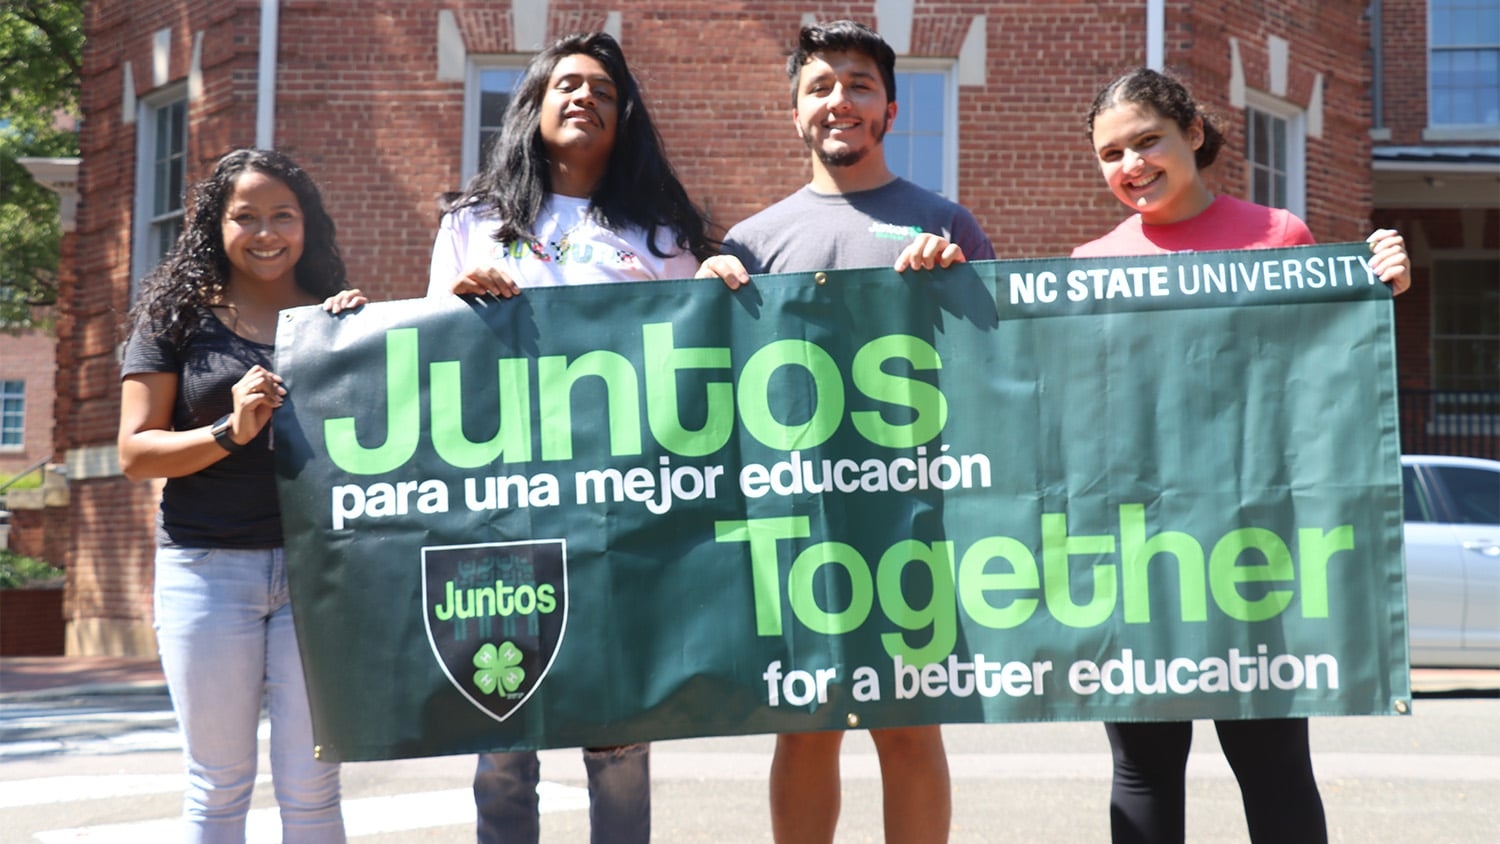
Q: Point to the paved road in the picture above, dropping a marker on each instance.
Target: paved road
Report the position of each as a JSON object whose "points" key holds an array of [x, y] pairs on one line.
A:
{"points": [[105, 768]]}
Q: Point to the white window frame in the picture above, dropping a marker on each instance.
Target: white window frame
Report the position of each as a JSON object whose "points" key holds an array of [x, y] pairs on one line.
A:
{"points": [[1453, 131], [948, 69], [146, 220], [473, 73], [1295, 165], [5, 417]]}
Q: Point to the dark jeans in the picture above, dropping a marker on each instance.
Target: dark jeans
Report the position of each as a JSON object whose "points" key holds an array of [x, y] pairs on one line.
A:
{"points": [[619, 796]]}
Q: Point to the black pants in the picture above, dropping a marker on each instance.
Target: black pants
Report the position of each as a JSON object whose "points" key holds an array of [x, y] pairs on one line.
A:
{"points": [[1270, 759]]}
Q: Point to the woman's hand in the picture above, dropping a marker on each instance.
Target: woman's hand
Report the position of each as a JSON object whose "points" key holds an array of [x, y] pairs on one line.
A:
{"points": [[344, 300], [726, 268], [1390, 261], [149, 445], [929, 251], [256, 396], [479, 281]]}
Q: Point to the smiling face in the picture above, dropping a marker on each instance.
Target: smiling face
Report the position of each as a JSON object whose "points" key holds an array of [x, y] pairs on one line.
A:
{"points": [[842, 112], [1148, 162], [262, 230], [580, 110]]}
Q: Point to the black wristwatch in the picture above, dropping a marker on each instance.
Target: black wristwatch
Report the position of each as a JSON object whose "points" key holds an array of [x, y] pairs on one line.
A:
{"points": [[221, 431]]}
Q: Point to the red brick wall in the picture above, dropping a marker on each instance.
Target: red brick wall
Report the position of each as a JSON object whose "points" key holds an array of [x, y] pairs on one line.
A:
{"points": [[1339, 186], [31, 622], [1404, 78], [1403, 89], [360, 105], [110, 550], [41, 533]]}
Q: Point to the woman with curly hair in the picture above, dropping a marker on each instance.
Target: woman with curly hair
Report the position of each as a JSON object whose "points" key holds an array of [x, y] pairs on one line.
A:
{"points": [[197, 394]]}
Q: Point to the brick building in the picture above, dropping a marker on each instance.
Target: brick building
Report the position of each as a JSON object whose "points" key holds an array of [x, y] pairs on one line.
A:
{"points": [[387, 104], [1436, 164], [27, 356], [35, 522], [27, 374]]}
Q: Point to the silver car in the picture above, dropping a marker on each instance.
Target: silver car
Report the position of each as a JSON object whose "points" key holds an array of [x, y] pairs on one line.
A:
{"points": [[1452, 560]]}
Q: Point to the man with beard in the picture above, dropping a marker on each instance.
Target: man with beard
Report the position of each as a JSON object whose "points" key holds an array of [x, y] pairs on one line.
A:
{"points": [[854, 213]]}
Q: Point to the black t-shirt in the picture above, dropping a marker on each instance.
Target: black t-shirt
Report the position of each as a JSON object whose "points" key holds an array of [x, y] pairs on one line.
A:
{"points": [[231, 504]]}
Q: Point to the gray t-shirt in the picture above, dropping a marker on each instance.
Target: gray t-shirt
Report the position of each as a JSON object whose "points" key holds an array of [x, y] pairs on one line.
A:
{"points": [[810, 231]]}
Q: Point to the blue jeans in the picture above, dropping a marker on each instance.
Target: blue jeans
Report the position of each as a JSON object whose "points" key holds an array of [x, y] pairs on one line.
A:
{"points": [[619, 796], [224, 630]]}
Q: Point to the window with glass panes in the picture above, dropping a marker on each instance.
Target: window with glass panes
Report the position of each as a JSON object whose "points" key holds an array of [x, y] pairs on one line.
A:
{"points": [[161, 178], [1266, 151], [489, 93], [1466, 334], [1463, 74], [1276, 152], [496, 85], [921, 144], [12, 414]]}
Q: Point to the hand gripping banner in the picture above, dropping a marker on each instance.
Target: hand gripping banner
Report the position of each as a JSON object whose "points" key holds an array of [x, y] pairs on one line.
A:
{"points": [[1164, 487]]}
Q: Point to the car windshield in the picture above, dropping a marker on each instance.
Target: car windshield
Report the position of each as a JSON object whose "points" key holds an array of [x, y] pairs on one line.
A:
{"points": [[1417, 508], [1475, 494]]}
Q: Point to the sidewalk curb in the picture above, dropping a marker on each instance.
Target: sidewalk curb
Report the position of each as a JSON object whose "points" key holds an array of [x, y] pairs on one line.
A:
{"points": [[84, 690]]}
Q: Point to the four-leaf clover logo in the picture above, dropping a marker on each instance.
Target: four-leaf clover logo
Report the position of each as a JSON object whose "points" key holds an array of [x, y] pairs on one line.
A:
{"points": [[499, 668]]}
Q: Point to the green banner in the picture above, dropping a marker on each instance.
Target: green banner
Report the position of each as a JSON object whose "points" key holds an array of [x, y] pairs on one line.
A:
{"points": [[1109, 489]]}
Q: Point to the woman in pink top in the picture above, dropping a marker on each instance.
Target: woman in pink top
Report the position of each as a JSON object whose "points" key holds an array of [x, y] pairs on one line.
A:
{"points": [[1152, 142]]}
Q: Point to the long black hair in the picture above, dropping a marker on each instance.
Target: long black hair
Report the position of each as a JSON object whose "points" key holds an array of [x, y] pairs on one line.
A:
{"points": [[639, 188], [194, 273], [1167, 97]]}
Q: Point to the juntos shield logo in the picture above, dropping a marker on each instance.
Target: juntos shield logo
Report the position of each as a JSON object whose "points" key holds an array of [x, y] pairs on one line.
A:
{"points": [[495, 617]]}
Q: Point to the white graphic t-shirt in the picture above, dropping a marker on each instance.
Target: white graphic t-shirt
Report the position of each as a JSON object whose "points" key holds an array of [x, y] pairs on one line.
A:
{"points": [[570, 248]]}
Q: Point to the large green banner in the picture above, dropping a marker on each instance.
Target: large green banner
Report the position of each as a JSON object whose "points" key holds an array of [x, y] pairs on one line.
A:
{"points": [[1143, 488]]}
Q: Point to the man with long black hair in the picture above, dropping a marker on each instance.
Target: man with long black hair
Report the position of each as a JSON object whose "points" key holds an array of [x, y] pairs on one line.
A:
{"points": [[578, 163], [576, 191]]}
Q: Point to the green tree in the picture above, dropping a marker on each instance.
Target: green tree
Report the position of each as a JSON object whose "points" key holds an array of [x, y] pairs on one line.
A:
{"points": [[41, 54]]}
